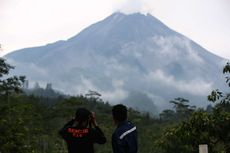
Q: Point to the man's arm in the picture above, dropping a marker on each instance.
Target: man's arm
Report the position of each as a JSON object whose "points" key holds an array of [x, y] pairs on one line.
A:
{"points": [[98, 135], [125, 142], [63, 130], [118, 144], [132, 143]]}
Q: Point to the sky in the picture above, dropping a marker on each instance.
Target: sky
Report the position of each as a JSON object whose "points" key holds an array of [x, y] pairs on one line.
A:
{"points": [[29, 23]]}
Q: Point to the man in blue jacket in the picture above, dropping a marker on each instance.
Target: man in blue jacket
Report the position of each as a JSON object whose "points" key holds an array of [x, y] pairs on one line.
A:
{"points": [[124, 139]]}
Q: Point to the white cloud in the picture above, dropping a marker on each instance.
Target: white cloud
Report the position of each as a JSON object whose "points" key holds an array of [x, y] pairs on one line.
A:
{"points": [[115, 96], [29, 67], [84, 86], [194, 87], [117, 83], [169, 47]]}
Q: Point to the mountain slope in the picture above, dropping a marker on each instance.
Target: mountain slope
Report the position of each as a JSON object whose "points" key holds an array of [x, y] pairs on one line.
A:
{"points": [[122, 54]]}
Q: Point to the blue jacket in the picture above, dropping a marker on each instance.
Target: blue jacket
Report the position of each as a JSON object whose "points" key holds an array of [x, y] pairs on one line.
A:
{"points": [[124, 139]]}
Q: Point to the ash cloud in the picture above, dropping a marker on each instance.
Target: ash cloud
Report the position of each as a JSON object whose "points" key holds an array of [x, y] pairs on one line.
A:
{"points": [[134, 6], [196, 86]]}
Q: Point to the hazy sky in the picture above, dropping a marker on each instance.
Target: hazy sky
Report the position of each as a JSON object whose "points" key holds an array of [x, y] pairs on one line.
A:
{"points": [[27, 23]]}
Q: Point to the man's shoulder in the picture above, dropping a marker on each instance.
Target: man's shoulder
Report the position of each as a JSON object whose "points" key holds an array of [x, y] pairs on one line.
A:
{"points": [[124, 129], [126, 125]]}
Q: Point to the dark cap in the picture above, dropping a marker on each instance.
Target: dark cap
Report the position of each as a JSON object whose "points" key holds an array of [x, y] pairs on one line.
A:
{"points": [[82, 114]]}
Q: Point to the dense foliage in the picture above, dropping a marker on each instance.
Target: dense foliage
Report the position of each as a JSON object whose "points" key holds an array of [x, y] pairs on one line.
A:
{"points": [[11, 84], [30, 124]]}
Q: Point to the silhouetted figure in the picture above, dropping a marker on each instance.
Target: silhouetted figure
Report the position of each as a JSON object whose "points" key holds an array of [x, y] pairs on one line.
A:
{"points": [[79, 135], [124, 139]]}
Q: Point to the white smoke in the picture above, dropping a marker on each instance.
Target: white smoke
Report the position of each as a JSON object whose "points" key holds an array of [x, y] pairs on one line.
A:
{"points": [[134, 6], [197, 86]]}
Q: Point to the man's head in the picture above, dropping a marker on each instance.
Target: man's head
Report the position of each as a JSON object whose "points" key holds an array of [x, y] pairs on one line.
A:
{"points": [[119, 113], [82, 115]]}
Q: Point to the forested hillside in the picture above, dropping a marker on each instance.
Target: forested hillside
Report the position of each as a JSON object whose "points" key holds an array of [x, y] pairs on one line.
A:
{"points": [[30, 124]]}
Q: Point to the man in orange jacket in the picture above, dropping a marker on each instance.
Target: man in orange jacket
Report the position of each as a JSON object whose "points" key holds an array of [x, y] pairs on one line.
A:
{"points": [[79, 135]]}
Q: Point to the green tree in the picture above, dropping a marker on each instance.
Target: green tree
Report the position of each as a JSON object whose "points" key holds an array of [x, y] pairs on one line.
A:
{"points": [[221, 99], [9, 85], [12, 119], [168, 115], [183, 109]]}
